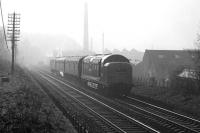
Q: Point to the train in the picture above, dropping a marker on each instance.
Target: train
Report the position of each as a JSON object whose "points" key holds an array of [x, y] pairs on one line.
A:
{"points": [[110, 74]]}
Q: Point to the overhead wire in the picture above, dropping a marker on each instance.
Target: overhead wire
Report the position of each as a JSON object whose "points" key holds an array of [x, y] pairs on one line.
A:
{"points": [[3, 25]]}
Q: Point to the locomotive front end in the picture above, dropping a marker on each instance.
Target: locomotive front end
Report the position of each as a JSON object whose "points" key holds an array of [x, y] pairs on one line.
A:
{"points": [[118, 76]]}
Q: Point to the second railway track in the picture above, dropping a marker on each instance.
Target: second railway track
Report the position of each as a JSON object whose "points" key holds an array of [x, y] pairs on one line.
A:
{"points": [[187, 122]]}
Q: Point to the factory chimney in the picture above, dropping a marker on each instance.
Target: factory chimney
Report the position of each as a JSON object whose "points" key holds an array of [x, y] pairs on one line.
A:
{"points": [[91, 44], [85, 38], [103, 43]]}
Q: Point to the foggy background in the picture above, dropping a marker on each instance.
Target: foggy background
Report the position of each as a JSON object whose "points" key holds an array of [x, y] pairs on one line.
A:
{"points": [[50, 27]]}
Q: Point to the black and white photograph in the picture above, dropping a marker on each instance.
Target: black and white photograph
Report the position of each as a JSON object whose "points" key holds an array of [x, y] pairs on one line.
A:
{"points": [[100, 66]]}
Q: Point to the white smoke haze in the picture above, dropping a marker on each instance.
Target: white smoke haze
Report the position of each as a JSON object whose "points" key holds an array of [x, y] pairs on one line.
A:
{"points": [[35, 48]]}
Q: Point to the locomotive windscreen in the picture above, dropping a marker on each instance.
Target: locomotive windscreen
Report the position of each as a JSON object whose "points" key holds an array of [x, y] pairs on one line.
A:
{"points": [[114, 58]]}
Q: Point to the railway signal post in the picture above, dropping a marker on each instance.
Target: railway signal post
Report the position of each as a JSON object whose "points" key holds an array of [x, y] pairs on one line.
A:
{"points": [[13, 32]]}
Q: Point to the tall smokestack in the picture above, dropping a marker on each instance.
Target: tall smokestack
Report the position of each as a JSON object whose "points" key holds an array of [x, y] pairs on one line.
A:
{"points": [[91, 44], [103, 43], [85, 39]]}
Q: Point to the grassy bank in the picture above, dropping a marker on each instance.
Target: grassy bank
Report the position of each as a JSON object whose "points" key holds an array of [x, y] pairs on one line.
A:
{"points": [[188, 104], [25, 108]]}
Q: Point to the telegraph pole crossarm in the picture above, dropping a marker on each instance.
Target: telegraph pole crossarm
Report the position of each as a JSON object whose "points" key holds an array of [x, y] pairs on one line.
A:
{"points": [[13, 32]]}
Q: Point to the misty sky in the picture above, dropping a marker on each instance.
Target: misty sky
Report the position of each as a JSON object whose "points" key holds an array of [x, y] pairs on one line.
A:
{"points": [[139, 24]]}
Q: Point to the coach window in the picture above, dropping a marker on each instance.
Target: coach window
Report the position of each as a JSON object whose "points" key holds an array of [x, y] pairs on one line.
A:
{"points": [[97, 69], [99, 65], [86, 67], [89, 67], [83, 65], [83, 68], [95, 72]]}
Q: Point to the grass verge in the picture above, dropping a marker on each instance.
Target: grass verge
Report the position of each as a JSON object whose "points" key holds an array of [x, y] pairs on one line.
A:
{"points": [[25, 108], [169, 98]]}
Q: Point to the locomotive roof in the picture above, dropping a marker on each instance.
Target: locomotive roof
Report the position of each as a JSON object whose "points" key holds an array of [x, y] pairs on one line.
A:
{"points": [[95, 59]]}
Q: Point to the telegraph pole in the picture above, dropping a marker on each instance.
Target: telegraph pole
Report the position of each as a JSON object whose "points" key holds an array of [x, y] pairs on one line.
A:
{"points": [[13, 34]]}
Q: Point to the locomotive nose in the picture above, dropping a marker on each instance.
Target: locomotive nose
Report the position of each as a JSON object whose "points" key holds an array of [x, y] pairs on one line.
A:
{"points": [[119, 77], [118, 72]]}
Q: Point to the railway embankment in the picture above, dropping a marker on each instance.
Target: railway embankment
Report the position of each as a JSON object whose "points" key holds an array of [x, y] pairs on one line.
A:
{"points": [[185, 103], [25, 108]]}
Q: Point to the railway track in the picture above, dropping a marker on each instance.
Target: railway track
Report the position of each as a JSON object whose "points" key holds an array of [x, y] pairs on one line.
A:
{"points": [[167, 121], [148, 115], [177, 122], [110, 119]]}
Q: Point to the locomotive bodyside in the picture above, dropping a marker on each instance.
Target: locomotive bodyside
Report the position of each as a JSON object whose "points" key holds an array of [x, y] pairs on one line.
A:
{"points": [[91, 71], [108, 73]]}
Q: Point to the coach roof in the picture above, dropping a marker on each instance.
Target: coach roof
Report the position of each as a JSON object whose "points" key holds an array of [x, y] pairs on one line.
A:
{"points": [[73, 58]]}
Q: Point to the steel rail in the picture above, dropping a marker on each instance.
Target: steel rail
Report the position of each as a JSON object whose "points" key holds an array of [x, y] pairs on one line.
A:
{"points": [[163, 117], [128, 117], [164, 109]]}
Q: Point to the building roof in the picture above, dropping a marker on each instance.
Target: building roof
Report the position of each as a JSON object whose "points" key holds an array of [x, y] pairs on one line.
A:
{"points": [[166, 61], [172, 57]]}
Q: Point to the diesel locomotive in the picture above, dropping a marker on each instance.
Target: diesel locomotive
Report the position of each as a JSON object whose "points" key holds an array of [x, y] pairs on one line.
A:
{"points": [[110, 74]]}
